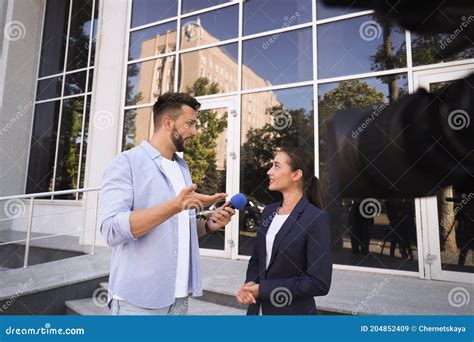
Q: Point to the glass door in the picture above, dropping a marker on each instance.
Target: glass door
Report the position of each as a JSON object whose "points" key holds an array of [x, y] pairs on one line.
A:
{"points": [[212, 167], [448, 227]]}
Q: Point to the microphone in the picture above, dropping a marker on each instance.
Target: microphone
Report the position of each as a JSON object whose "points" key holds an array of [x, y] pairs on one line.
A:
{"points": [[238, 201]]}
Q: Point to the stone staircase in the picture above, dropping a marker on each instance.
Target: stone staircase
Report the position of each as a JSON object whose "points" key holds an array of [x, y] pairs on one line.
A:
{"points": [[352, 292], [215, 304]]}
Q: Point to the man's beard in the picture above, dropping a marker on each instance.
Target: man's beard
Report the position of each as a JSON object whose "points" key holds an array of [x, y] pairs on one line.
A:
{"points": [[177, 140]]}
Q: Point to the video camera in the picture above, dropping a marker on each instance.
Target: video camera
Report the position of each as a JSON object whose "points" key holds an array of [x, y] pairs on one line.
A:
{"points": [[424, 141]]}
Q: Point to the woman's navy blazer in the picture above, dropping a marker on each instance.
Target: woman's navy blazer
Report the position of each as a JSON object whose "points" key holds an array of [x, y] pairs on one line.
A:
{"points": [[300, 267]]}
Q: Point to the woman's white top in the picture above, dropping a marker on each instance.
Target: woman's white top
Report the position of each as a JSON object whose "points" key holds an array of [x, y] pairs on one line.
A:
{"points": [[273, 230]]}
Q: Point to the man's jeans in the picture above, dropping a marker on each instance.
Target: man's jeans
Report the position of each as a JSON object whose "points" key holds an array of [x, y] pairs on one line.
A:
{"points": [[124, 308]]}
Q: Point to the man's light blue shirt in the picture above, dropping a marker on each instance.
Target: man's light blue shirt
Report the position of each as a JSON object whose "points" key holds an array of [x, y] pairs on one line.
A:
{"points": [[143, 270]]}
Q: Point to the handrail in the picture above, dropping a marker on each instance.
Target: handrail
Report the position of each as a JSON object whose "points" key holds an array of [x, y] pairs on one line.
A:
{"points": [[45, 237], [32, 197], [47, 214], [51, 193]]}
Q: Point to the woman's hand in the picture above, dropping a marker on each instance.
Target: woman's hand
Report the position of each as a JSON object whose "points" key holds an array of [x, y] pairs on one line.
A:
{"points": [[248, 293], [253, 288]]}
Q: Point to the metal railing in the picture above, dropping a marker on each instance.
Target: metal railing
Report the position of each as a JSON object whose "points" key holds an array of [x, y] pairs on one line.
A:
{"points": [[31, 198]]}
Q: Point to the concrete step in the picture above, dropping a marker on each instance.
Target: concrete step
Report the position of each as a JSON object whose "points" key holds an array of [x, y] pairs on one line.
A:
{"points": [[217, 296], [87, 307]]}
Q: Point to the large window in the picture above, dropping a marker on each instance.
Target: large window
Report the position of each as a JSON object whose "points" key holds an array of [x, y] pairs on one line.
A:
{"points": [[366, 232], [60, 126], [292, 66]]}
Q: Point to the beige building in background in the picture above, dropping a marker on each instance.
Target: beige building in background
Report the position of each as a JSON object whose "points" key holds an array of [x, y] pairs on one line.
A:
{"points": [[216, 64]]}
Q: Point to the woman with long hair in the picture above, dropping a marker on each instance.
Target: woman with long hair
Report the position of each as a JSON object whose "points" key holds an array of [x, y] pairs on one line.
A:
{"points": [[291, 260]]}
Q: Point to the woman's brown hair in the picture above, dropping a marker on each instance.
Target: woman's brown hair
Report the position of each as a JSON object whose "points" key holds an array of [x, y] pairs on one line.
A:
{"points": [[299, 159]]}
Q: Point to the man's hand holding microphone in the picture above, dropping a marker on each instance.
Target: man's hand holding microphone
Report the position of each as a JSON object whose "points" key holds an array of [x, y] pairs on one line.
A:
{"points": [[189, 199]]}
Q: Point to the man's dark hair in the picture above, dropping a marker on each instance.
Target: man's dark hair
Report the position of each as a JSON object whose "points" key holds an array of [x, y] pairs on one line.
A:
{"points": [[171, 103]]}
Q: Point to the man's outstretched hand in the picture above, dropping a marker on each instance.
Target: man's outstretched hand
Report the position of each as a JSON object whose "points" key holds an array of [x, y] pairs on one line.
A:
{"points": [[189, 199]]}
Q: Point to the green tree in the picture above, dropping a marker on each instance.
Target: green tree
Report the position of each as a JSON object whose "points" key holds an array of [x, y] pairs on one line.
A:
{"points": [[201, 152], [202, 87], [387, 58], [261, 144], [69, 145], [129, 128], [427, 49]]}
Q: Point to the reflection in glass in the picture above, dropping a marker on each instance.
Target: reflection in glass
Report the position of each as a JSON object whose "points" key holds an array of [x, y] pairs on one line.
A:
{"points": [[53, 45], [43, 147], [137, 124], [152, 41], [456, 229], [79, 34], [359, 45], [91, 80], [323, 11], [385, 238], [375, 233], [456, 220], [75, 83], [206, 157], [214, 69], [210, 27], [194, 5], [49, 88], [82, 18], [267, 15], [270, 119], [428, 49], [84, 145], [94, 33], [70, 137], [277, 59], [148, 80], [149, 11]]}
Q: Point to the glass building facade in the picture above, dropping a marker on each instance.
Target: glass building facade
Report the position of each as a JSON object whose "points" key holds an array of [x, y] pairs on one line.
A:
{"points": [[268, 73], [291, 65]]}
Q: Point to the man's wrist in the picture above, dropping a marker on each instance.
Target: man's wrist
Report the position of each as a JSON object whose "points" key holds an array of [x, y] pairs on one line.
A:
{"points": [[206, 227], [177, 207]]}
